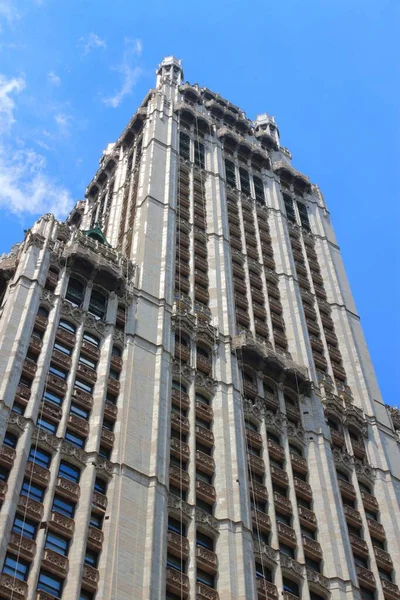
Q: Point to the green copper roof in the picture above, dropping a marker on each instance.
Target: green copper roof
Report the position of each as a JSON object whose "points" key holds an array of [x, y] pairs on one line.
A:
{"points": [[97, 234]]}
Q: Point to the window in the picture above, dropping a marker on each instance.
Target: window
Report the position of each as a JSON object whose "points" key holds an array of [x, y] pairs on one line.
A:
{"points": [[88, 337], [109, 425], [204, 540], [69, 471], [295, 450], [202, 423], [244, 181], [289, 208], [75, 439], [37, 334], [262, 572], [25, 382], [364, 488], [367, 594], [75, 291], [46, 426], [199, 154], [18, 408], [208, 508], [3, 473], [342, 476], [16, 568], [371, 515], [40, 457], [184, 145], [98, 304], [177, 492], [79, 411], [67, 326], [91, 558], [259, 189], [111, 398], [85, 595], [116, 351], [43, 312], [105, 452], [313, 564], [100, 486], [57, 543], [360, 562], [32, 490], [10, 439], [62, 349], [384, 575], [285, 519], [181, 387], [204, 477], [303, 214], [314, 596], [88, 362], [62, 373], [64, 507], [204, 449], [206, 578], [50, 583], [25, 527], [291, 586], [261, 536], [53, 398], [202, 399], [230, 173], [178, 463], [96, 521], [82, 385], [176, 526], [251, 425], [114, 374], [175, 563]]}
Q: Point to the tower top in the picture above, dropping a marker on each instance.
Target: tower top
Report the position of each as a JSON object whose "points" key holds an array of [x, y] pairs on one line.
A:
{"points": [[170, 69]]}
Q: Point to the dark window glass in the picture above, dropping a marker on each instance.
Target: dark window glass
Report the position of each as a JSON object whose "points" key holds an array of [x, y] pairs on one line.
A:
{"points": [[10, 439], [313, 564], [305, 222], [181, 387], [82, 385], [46, 425], [64, 507], [62, 373], [285, 519], [289, 208], [37, 334], [69, 471], [50, 583], [262, 572], [176, 526], [53, 398], [366, 594], [361, 562], [100, 486], [244, 181], [114, 374], [67, 326], [204, 540], [79, 411], [206, 578], [175, 563], [17, 568], [18, 408], [84, 595], [199, 154], [75, 439], [208, 508], [184, 145], [3, 473], [96, 521], [230, 173], [43, 312], [259, 189], [98, 304], [57, 543], [88, 337], [291, 586], [109, 425], [25, 382], [75, 291], [25, 527], [116, 351], [204, 477], [40, 457], [111, 398], [32, 490], [91, 558], [202, 399], [105, 452]]}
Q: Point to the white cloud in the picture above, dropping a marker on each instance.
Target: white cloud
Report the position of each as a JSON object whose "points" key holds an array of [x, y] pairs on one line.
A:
{"points": [[9, 86], [26, 188], [130, 72], [53, 78], [8, 10], [90, 42], [63, 121]]}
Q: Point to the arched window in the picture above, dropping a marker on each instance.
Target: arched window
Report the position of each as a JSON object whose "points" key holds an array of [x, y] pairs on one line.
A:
{"points": [[98, 304], [92, 339], [67, 326], [75, 291], [116, 351]]}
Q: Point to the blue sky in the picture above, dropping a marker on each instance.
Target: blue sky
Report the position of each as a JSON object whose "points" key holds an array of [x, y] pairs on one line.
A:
{"points": [[72, 74]]}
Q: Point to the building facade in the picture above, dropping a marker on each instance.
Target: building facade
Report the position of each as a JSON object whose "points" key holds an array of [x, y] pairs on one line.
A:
{"points": [[187, 404]]}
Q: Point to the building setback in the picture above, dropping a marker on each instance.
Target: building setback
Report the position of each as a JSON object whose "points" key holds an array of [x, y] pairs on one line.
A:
{"points": [[187, 404]]}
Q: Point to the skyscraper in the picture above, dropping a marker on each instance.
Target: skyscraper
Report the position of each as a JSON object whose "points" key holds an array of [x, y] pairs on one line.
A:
{"points": [[188, 408]]}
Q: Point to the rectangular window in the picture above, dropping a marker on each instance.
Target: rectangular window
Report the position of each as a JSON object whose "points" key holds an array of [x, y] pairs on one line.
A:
{"points": [[10, 440], [16, 568], [206, 578], [50, 583], [230, 173], [75, 439], [175, 563], [91, 558], [303, 214], [61, 373], [105, 452], [288, 550], [176, 526], [114, 374], [109, 425], [259, 189], [84, 595], [96, 521], [204, 540], [289, 208], [69, 471], [88, 362], [57, 543], [37, 334], [25, 382], [82, 385], [64, 507], [40, 457], [199, 154], [62, 349], [53, 398], [18, 408], [100, 486], [208, 508], [46, 425], [91, 339], [32, 490], [184, 146], [3, 473], [244, 181], [67, 326], [79, 411], [25, 527]]}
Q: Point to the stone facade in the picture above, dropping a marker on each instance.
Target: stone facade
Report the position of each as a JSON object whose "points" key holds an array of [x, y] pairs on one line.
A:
{"points": [[187, 403]]}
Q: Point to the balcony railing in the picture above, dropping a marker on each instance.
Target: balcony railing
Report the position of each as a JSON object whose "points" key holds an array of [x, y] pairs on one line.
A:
{"points": [[204, 436], [51, 411], [178, 545], [82, 398], [258, 491], [365, 577], [107, 438], [180, 399], [62, 524], [29, 368], [56, 384], [307, 517], [177, 582], [302, 489], [271, 401], [35, 345], [347, 489], [266, 590], [275, 450], [55, 563], [369, 501], [65, 337], [359, 545], [95, 539], [286, 534], [113, 386], [7, 456], [256, 464], [206, 559], [283, 503], [110, 410], [253, 438], [261, 520], [205, 491], [299, 463], [376, 529], [61, 359], [179, 422], [99, 501], [390, 590], [37, 473], [78, 424], [205, 462], [204, 364], [358, 449], [178, 477], [179, 449], [68, 489], [90, 578], [204, 592], [90, 350], [352, 516], [116, 363], [203, 411], [337, 438], [13, 588], [250, 389], [29, 507], [312, 548], [86, 373], [41, 322], [22, 546], [279, 476]]}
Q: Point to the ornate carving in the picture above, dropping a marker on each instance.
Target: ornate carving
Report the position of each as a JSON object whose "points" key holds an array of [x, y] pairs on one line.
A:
{"points": [[182, 371], [341, 457], [291, 565], [179, 505], [364, 470], [35, 239], [317, 578], [48, 298], [263, 550]]}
